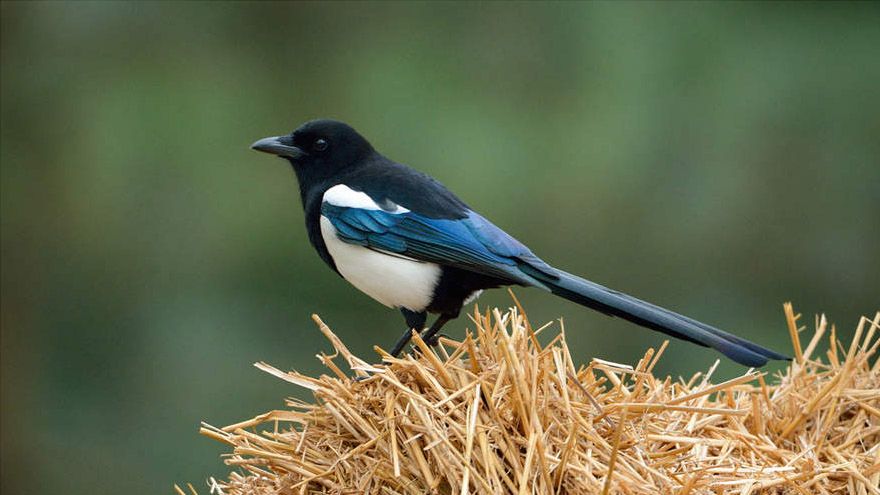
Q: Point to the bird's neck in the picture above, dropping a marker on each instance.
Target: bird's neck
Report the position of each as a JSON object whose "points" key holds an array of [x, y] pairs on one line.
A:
{"points": [[311, 186], [315, 180], [304, 188]]}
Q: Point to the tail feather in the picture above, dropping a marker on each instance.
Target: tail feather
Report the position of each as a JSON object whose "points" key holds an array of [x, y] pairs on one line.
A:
{"points": [[643, 313]]}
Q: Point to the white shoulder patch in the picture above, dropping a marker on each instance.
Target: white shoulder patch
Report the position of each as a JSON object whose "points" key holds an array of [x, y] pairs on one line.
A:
{"points": [[346, 197]]}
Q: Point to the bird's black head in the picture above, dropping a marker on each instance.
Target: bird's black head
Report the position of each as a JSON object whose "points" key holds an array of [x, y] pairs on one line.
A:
{"points": [[319, 149]]}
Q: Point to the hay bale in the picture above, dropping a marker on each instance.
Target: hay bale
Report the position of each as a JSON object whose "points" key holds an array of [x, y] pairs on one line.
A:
{"points": [[500, 413]]}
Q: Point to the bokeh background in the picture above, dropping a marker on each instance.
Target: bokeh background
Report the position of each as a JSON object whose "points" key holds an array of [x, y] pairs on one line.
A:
{"points": [[718, 159]]}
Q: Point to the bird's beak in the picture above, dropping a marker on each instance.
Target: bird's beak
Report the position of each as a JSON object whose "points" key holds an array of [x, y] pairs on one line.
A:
{"points": [[278, 145]]}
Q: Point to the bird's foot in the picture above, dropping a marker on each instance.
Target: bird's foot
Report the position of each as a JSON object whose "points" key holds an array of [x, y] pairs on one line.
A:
{"points": [[434, 340], [361, 379]]}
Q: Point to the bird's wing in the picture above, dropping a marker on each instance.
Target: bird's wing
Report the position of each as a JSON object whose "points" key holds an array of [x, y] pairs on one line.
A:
{"points": [[471, 243]]}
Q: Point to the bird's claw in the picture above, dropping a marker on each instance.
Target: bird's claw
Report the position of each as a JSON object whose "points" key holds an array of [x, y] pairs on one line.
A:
{"points": [[434, 340]]}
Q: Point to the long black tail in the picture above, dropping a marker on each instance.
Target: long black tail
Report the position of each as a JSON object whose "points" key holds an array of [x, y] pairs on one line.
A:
{"points": [[643, 313]]}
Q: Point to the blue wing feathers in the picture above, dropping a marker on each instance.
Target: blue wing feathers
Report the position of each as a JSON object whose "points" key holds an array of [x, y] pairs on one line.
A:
{"points": [[350, 233], [366, 222], [472, 243], [493, 238]]}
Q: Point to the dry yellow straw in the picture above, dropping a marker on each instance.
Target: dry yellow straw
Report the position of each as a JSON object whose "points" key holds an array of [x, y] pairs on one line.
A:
{"points": [[500, 413]]}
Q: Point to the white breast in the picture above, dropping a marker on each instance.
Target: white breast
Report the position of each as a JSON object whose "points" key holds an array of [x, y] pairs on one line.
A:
{"points": [[393, 281]]}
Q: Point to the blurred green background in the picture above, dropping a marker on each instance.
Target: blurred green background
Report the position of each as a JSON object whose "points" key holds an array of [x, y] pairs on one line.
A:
{"points": [[718, 159]]}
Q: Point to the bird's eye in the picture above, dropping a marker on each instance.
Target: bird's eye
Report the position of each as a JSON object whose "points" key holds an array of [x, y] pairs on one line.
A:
{"points": [[320, 145]]}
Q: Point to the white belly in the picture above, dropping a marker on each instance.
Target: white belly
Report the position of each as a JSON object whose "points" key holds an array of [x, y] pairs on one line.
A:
{"points": [[393, 281]]}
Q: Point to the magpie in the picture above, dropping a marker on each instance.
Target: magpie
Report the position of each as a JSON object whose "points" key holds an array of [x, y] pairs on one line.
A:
{"points": [[402, 238]]}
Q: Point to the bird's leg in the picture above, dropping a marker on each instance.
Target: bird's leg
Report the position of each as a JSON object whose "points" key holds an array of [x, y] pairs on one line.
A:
{"points": [[430, 335], [414, 321]]}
